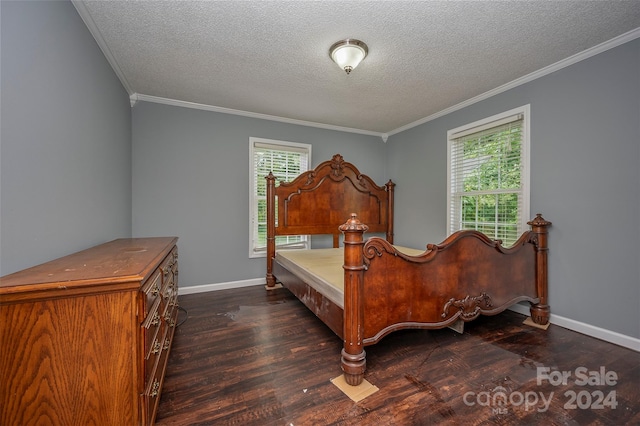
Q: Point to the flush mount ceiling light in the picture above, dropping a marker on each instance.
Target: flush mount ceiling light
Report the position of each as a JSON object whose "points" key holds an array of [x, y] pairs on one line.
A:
{"points": [[348, 53]]}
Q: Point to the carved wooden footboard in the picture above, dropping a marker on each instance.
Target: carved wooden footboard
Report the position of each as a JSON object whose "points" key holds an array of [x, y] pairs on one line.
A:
{"points": [[465, 276]]}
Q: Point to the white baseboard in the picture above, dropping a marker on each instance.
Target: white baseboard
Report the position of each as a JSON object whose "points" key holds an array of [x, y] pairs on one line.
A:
{"points": [[587, 329], [221, 286]]}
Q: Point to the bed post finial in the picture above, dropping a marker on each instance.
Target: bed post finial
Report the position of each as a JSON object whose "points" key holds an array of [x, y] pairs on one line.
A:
{"points": [[353, 355], [271, 229], [540, 312]]}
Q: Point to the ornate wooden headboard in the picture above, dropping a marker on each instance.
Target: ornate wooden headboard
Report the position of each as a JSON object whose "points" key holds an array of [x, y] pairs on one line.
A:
{"points": [[319, 201]]}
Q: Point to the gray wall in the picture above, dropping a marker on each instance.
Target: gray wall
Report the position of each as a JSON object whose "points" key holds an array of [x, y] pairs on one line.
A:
{"points": [[69, 169], [191, 180], [65, 143], [585, 151]]}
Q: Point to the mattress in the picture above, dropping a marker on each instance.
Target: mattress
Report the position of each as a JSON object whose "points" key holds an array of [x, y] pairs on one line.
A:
{"points": [[322, 269]]}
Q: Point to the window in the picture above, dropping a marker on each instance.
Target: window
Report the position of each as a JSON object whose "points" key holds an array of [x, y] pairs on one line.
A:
{"points": [[488, 167], [285, 160]]}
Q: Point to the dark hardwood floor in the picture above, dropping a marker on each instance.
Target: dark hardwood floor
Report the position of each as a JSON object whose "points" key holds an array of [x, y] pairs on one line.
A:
{"points": [[251, 357]]}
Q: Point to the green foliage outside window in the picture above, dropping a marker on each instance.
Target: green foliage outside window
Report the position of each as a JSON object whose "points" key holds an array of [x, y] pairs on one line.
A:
{"points": [[490, 187]]}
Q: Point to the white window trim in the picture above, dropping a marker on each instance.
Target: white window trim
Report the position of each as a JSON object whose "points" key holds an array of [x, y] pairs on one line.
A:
{"points": [[487, 123], [253, 141]]}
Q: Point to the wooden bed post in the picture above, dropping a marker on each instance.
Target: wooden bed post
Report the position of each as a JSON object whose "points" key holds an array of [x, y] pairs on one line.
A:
{"points": [[353, 354], [271, 229], [390, 185], [540, 312]]}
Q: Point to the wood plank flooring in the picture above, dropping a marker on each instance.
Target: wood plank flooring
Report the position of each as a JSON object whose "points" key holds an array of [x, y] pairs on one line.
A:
{"points": [[251, 357]]}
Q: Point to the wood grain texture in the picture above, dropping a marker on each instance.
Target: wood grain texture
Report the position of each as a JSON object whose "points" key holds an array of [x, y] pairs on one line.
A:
{"points": [[56, 358], [250, 357], [76, 345]]}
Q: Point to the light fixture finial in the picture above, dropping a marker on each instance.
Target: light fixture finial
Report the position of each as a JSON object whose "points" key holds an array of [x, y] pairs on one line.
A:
{"points": [[348, 53]]}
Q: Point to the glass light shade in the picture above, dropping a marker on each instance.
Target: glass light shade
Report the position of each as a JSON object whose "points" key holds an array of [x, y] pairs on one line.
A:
{"points": [[348, 53]]}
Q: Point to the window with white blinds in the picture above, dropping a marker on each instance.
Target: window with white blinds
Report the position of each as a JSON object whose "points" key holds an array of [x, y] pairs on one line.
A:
{"points": [[285, 160], [488, 163]]}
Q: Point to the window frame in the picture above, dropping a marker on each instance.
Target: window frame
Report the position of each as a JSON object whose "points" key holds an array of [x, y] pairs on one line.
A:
{"points": [[453, 219], [253, 198]]}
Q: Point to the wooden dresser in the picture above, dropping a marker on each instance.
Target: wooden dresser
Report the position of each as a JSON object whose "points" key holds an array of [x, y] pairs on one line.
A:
{"points": [[84, 339]]}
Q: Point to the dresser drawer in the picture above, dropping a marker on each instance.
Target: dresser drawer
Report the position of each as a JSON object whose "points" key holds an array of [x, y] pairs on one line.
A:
{"points": [[168, 267], [153, 354], [157, 364], [171, 314], [151, 289], [151, 326], [169, 301]]}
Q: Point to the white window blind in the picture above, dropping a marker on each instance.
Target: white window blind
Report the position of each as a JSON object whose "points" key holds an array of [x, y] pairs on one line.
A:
{"points": [[286, 160], [488, 177]]}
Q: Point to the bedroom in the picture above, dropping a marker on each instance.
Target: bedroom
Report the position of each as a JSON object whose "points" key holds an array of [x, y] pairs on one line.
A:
{"points": [[81, 167]]}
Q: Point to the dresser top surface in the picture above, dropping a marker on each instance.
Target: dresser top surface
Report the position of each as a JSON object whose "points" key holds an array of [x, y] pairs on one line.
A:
{"points": [[121, 260]]}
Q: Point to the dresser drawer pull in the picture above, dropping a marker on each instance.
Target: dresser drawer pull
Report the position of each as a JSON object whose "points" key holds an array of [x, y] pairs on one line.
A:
{"points": [[156, 319], [156, 347], [167, 344], [155, 389], [156, 290]]}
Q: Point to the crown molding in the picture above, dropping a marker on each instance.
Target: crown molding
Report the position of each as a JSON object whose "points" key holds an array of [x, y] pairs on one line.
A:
{"points": [[581, 56], [133, 99], [97, 35], [136, 97], [578, 57], [166, 101]]}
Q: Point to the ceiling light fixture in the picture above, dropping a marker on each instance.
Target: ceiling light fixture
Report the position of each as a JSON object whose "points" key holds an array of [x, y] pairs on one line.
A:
{"points": [[348, 53]]}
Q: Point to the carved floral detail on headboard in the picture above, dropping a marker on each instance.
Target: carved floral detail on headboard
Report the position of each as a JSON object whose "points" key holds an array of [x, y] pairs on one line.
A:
{"points": [[338, 173], [310, 178], [337, 165], [337, 169]]}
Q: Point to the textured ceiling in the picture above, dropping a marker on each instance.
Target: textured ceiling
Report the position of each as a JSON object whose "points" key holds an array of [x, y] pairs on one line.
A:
{"points": [[271, 57]]}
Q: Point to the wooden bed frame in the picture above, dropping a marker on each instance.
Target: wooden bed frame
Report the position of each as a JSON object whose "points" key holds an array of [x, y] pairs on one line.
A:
{"points": [[385, 290]]}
